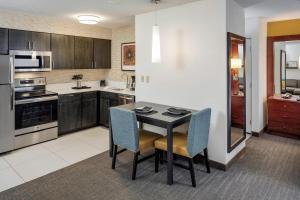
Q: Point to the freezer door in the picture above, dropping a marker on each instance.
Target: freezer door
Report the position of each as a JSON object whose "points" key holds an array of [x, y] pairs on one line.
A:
{"points": [[7, 120], [6, 69]]}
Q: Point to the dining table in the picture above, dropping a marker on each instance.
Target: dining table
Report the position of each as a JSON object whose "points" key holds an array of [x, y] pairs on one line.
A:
{"points": [[159, 117]]}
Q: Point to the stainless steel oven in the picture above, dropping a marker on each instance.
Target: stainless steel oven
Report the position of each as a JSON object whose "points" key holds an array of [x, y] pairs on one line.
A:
{"points": [[32, 61], [35, 112]]}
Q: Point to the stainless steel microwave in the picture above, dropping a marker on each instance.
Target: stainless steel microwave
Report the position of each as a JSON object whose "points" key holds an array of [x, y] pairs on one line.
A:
{"points": [[32, 61]]}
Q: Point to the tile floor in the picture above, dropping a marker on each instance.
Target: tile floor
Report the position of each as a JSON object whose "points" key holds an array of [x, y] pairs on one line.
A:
{"points": [[29, 163]]}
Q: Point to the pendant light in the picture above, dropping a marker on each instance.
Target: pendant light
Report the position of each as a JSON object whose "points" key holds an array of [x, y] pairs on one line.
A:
{"points": [[156, 57]]}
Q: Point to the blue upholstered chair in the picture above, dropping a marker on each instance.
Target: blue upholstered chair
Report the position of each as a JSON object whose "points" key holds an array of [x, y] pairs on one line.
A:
{"points": [[127, 135], [191, 144]]}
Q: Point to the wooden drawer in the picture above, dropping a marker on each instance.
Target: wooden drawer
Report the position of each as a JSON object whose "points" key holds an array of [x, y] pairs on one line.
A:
{"points": [[284, 116]]}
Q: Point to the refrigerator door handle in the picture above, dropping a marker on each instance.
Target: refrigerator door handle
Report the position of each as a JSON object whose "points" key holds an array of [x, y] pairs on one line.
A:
{"points": [[12, 70], [12, 98]]}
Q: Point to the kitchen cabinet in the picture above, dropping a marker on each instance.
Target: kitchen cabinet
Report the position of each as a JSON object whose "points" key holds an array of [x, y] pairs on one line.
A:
{"points": [[62, 47], [29, 40], [89, 109], [107, 100], [84, 53], [284, 117], [102, 54], [69, 113], [3, 41]]}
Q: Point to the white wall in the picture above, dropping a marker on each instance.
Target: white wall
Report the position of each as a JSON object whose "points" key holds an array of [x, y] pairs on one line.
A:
{"points": [[235, 18], [293, 54], [256, 29], [293, 51], [193, 69]]}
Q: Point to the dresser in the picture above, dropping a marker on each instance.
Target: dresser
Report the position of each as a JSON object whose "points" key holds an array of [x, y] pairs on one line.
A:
{"points": [[284, 117]]}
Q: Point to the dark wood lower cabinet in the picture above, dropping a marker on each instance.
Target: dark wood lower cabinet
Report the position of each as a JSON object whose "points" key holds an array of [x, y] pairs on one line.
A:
{"points": [[107, 100], [77, 111], [69, 113], [284, 117], [84, 110], [89, 109]]}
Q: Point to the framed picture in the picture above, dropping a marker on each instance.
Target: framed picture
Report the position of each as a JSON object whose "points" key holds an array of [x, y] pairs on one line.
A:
{"points": [[292, 65], [128, 56]]}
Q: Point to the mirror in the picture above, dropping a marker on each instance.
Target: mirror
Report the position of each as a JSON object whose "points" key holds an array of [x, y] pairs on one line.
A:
{"points": [[286, 67], [236, 132]]}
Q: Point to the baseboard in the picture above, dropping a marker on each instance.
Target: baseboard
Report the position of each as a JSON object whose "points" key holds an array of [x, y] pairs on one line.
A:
{"points": [[258, 134], [213, 164], [220, 166], [235, 158]]}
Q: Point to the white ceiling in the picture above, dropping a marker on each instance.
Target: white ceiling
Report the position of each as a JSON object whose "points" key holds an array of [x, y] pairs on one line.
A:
{"points": [[115, 12], [271, 9]]}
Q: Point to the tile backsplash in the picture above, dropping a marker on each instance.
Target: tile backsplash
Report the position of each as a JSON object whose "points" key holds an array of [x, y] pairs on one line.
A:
{"points": [[65, 76]]}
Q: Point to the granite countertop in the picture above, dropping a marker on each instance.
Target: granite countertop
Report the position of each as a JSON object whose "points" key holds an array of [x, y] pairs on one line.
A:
{"points": [[66, 88]]}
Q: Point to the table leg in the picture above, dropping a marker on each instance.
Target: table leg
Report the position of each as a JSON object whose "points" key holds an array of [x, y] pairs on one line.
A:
{"points": [[111, 142], [170, 155]]}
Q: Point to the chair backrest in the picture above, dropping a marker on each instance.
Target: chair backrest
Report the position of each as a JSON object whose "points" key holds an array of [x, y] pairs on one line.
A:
{"points": [[198, 132], [124, 128]]}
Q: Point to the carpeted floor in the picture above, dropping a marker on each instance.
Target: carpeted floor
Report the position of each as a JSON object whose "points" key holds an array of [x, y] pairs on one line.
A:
{"points": [[270, 169]]}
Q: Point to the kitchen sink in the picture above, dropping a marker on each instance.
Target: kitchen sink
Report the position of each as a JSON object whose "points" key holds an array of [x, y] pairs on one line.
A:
{"points": [[116, 89]]}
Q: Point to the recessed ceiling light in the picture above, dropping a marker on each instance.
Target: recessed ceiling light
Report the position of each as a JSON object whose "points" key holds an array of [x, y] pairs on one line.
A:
{"points": [[89, 19]]}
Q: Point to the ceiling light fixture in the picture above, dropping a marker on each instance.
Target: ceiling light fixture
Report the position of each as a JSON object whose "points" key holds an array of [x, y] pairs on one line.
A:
{"points": [[156, 57], [89, 19]]}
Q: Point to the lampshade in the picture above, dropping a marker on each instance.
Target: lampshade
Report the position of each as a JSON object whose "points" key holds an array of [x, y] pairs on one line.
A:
{"points": [[89, 19], [236, 63], [156, 45]]}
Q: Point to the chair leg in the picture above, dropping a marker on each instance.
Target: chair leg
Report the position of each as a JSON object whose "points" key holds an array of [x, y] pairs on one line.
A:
{"points": [[115, 151], [191, 167], [161, 157], [206, 160], [156, 160], [135, 162]]}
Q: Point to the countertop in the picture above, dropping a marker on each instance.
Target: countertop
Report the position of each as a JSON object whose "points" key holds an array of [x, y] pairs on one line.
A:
{"points": [[66, 88]]}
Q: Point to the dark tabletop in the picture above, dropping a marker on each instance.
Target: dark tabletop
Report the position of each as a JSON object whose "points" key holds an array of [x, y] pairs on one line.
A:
{"points": [[161, 120]]}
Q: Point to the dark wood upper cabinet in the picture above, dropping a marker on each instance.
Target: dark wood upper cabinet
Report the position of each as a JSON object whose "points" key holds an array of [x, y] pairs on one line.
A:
{"points": [[84, 53], [19, 39], [62, 51], [3, 41], [40, 41], [28, 40], [102, 53]]}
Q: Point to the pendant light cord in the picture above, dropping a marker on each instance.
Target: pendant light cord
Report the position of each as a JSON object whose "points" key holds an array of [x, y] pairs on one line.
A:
{"points": [[155, 11]]}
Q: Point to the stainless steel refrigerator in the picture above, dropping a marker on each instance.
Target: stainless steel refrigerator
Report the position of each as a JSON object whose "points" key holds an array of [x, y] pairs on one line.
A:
{"points": [[7, 107]]}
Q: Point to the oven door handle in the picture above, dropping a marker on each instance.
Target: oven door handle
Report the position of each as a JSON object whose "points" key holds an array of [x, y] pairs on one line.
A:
{"points": [[35, 100]]}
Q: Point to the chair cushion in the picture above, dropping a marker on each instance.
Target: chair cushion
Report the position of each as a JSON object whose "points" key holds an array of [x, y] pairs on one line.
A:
{"points": [[147, 139], [179, 144]]}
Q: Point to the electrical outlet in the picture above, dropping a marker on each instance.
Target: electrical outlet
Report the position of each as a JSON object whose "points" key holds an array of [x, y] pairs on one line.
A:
{"points": [[147, 79], [142, 78]]}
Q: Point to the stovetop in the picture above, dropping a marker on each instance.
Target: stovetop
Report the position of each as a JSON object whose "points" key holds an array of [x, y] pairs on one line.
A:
{"points": [[33, 94]]}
